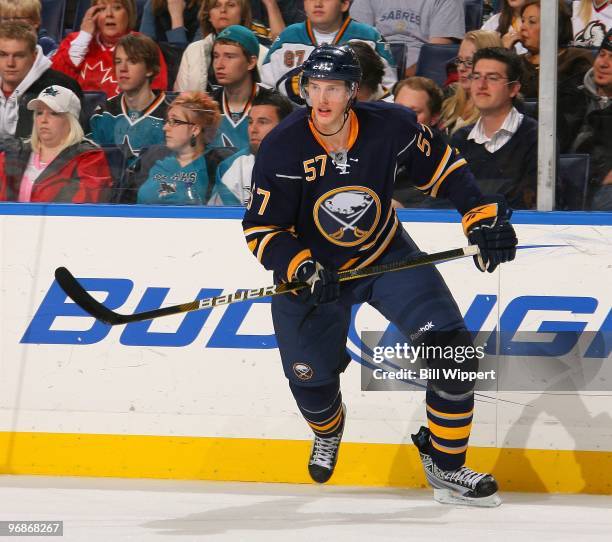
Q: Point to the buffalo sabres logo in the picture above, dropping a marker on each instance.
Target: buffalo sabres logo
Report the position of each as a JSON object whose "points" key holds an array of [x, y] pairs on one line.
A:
{"points": [[303, 371], [347, 216]]}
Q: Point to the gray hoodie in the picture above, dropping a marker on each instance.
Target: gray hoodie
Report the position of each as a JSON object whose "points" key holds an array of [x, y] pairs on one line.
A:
{"points": [[9, 107], [595, 100]]}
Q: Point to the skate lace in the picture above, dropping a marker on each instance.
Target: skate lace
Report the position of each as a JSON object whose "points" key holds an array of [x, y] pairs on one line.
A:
{"points": [[324, 451], [464, 476]]}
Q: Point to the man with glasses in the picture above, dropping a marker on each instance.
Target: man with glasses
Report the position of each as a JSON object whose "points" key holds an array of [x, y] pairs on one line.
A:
{"points": [[501, 147]]}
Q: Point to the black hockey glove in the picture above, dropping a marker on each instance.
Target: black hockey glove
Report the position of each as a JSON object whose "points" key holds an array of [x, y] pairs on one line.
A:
{"points": [[323, 283], [488, 226]]}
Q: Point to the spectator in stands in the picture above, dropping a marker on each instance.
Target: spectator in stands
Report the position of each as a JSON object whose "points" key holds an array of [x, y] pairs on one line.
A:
{"points": [[233, 179], [371, 88], [591, 19], [501, 147], [595, 133], [458, 110], [414, 22], [24, 72], [507, 23], [572, 64], [28, 11], [291, 12], [87, 55], [134, 118], [178, 173], [174, 21], [235, 54], [423, 96], [196, 65], [328, 22], [57, 164]]}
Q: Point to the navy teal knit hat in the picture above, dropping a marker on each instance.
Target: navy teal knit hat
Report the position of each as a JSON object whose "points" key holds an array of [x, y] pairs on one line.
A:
{"points": [[241, 35]]}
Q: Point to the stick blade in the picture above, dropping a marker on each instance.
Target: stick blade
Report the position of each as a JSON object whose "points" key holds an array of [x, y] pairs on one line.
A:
{"points": [[83, 299]]}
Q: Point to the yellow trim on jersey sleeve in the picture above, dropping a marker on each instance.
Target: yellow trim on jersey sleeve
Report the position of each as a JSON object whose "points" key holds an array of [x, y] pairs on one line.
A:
{"points": [[262, 244], [482, 212], [295, 262], [258, 229], [252, 244], [439, 170], [454, 167]]}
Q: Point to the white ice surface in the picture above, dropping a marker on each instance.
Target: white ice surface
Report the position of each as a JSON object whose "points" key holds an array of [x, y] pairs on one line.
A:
{"points": [[113, 510]]}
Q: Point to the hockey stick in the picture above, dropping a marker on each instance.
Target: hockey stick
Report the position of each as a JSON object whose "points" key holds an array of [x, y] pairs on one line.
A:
{"points": [[83, 299]]}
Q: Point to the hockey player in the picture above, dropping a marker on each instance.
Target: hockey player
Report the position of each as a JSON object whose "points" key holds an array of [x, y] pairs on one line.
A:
{"points": [[135, 118], [327, 22], [321, 202]]}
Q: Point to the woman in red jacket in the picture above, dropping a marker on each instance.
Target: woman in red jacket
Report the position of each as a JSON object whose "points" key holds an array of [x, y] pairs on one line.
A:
{"points": [[87, 55], [57, 164]]}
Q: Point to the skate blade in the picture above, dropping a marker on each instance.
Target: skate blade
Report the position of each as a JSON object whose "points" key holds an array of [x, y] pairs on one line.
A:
{"points": [[447, 496]]}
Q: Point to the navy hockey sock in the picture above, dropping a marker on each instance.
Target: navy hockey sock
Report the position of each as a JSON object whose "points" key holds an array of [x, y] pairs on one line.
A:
{"points": [[449, 418], [321, 407]]}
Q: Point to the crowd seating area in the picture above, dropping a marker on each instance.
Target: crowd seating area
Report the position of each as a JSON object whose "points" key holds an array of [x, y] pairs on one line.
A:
{"points": [[441, 62]]}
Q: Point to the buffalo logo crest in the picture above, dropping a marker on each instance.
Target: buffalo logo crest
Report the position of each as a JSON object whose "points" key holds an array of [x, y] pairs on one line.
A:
{"points": [[347, 216], [303, 371]]}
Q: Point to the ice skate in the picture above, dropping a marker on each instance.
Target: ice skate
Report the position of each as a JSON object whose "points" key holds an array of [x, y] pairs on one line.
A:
{"points": [[324, 454], [461, 486]]}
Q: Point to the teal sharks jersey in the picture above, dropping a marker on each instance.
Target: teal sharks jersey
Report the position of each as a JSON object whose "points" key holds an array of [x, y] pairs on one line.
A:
{"points": [[113, 124]]}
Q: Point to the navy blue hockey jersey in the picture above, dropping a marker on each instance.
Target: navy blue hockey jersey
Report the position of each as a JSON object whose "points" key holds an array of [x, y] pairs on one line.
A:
{"points": [[307, 202]]}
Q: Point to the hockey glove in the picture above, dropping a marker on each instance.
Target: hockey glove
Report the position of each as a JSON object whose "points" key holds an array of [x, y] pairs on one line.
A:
{"points": [[323, 285], [488, 226]]}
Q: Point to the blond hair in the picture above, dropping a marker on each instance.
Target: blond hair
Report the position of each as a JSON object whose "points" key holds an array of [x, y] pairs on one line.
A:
{"points": [[14, 30], [75, 135], [22, 8], [455, 105]]}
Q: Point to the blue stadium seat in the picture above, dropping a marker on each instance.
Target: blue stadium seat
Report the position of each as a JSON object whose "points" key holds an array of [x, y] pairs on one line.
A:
{"points": [[140, 4], [530, 107], [473, 14], [398, 51], [117, 165], [79, 11], [52, 17], [91, 100], [433, 60], [575, 171]]}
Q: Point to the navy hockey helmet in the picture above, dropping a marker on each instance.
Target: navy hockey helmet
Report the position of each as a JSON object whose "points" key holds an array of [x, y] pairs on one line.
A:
{"points": [[331, 62]]}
